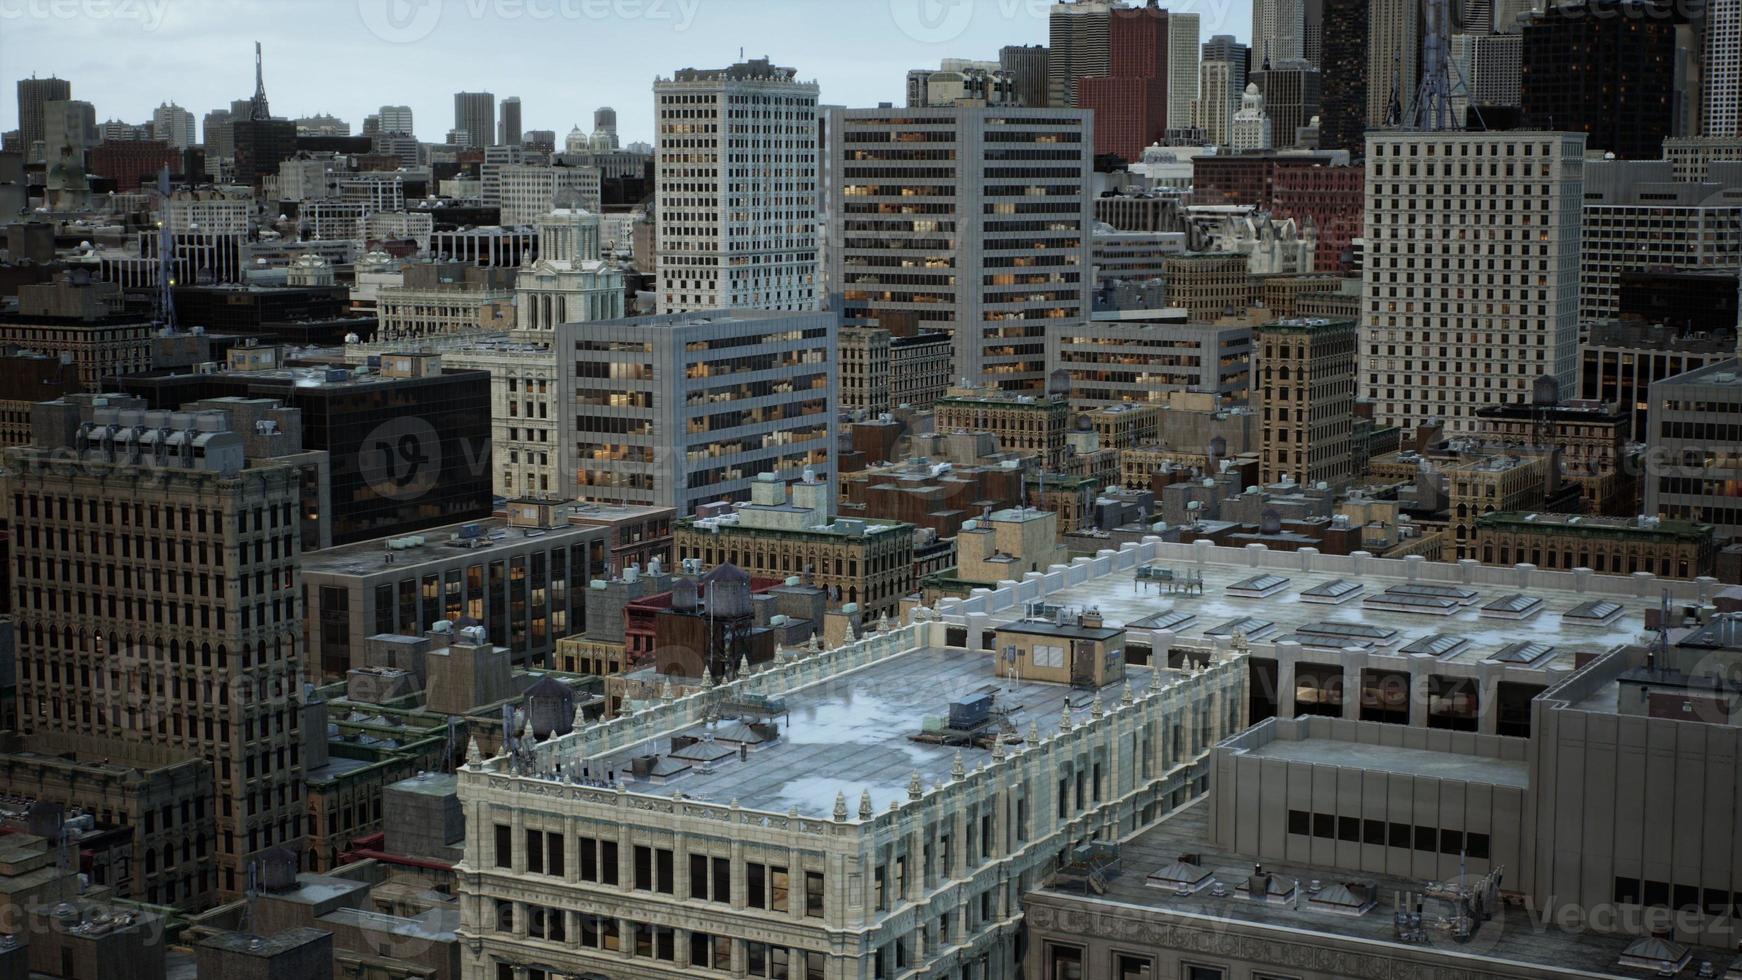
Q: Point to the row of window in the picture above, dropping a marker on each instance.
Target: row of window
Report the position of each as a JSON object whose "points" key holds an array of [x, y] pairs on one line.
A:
{"points": [[1354, 830]]}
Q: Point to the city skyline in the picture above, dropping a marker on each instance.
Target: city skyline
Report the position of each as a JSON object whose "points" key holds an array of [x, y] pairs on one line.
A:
{"points": [[356, 55]]}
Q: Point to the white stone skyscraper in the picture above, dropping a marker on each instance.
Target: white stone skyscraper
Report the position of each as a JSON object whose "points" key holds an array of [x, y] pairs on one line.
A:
{"points": [[1721, 113], [1183, 54], [1471, 283], [174, 125], [737, 189], [1278, 30]]}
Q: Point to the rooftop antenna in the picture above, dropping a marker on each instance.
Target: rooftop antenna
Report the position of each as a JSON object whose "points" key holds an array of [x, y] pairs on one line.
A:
{"points": [[257, 108]]}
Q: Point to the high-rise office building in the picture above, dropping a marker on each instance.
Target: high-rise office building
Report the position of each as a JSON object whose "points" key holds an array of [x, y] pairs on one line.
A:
{"points": [[1078, 31], [396, 119], [508, 129], [1130, 100], [1605, 68], [1291, 97], [1471, 274], [1252, 128], [1638, 218], [1394, 30], [1304, 387], [1278, 30], [1312, 31], [475, 116], [1026, 64], [651, 417], [69, 130], [1721, 71], [996, 273], [162, 582], [737, 192], [173, 125], [604, 130], [1344, 63], [1221, 79], [34, 95], [1183, 54]]}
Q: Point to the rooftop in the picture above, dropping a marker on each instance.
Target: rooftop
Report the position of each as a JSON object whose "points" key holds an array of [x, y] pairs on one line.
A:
{"points": [[850, 731], [474, 540], [1642, 526], [1513, 936]]}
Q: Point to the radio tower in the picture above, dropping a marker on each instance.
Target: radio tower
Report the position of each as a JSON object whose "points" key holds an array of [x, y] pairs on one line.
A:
{"points": [[257, 108]]}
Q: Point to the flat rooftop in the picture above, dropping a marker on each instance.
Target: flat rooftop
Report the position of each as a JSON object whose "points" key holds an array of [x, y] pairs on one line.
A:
{"points": [[1397, 759], [493, 536], [1512, 936], [849, 733], [1121, 600]]}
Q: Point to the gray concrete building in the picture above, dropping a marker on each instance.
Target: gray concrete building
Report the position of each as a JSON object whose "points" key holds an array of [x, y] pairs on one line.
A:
{"points": [[673, 411], [1693, 458], [1142, 356], [1639, 217], [971, 219]]}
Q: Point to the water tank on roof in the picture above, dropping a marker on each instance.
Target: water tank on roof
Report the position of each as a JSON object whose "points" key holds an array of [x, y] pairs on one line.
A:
{"points": [[551, 705], [1058, 384], [1218, 447], [1545, 391], [1270, 522], [683, 595], [729, 592]]}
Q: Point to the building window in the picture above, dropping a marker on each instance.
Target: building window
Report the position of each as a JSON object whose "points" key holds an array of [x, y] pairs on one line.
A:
{"points": [[1064, 962], [1197, 972], [504, 846], [1130, 967]]}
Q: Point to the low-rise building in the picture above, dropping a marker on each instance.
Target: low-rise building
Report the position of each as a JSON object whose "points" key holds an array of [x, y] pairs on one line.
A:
{"points": [[864, 563], [1616, 545], [1035, 424], [1143, 356]]}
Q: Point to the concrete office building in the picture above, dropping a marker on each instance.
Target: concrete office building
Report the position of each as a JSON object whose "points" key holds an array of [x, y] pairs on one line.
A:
{"points": [[188, 566], [1220, 84], [1141, 357], [1009, 272], [475, 117], [1026, 64], [1208, 285], [528, 192], [85, 319], [737, 194], [1605, 68], [1720, 72], [1079, 32], [1133, 255], [1692, 158], [1638, 218], [1184, 51], [1027, 424], [1692, 448], [396, 119], [655, 415], [173, 125], [34, 95], [1442, 350], [1616, 545], [1291, 90], [446, 298], [1130, 99], [520, 577], [1394, 33], [1303, 380], [508, 127], [959, 78], [1278, 30], [1621, 359], [897, 856]]}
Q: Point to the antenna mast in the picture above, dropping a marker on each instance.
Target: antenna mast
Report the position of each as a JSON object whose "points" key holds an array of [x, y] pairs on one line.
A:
{"points": [[165, 252], [257, 108]]}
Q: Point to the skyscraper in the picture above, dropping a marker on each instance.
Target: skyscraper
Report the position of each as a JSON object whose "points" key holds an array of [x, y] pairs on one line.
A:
{"points": [[1221, 80], [1344, 63], [604, 129], [508, 129], [1130, 100], [1182, 67], [396, 119], [34, 94], [1027, 67], [1721, 112], [1605, 68], [997, 274], [1304, 386], [1394, 29], [475, 115], [1278, 29], [173, 125], [737, 189], [1079, 32], [1470, 287], [1291, 96], [179, 630]]}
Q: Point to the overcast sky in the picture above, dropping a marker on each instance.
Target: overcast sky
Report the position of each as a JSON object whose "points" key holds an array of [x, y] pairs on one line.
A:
{"points": [[563, 58]]}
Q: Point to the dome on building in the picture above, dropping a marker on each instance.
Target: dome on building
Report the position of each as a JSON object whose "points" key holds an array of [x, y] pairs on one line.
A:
{"points": [[1253, 99]]}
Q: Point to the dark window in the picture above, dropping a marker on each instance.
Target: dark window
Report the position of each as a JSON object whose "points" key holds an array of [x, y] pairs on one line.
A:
{"points": [[1451, 842], [607, 862], [504, 846], [1324, 825], [699, 879], [1062, 962], [535, 852], [1400, 835], [1300, 822], [1478, 845], [643, 868], [1375, 832], [1425, 838], [554, 865], [1349, 829], [1657, 894], [1128, 967], [1627, 891]]}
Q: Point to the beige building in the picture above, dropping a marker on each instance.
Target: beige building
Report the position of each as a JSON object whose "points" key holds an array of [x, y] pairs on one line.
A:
{"points": [[1035, 424], [1487, 484], [881, 372], [439, 299], [1208, 285], [776, 535], [1592, 439], [1304, 386], [160, 604], [82, 318], [1613, 545], [892, 856]]}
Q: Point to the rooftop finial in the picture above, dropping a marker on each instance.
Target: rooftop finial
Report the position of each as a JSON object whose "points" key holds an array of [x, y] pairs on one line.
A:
{"points": [[865, 810], [840, 807]]}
